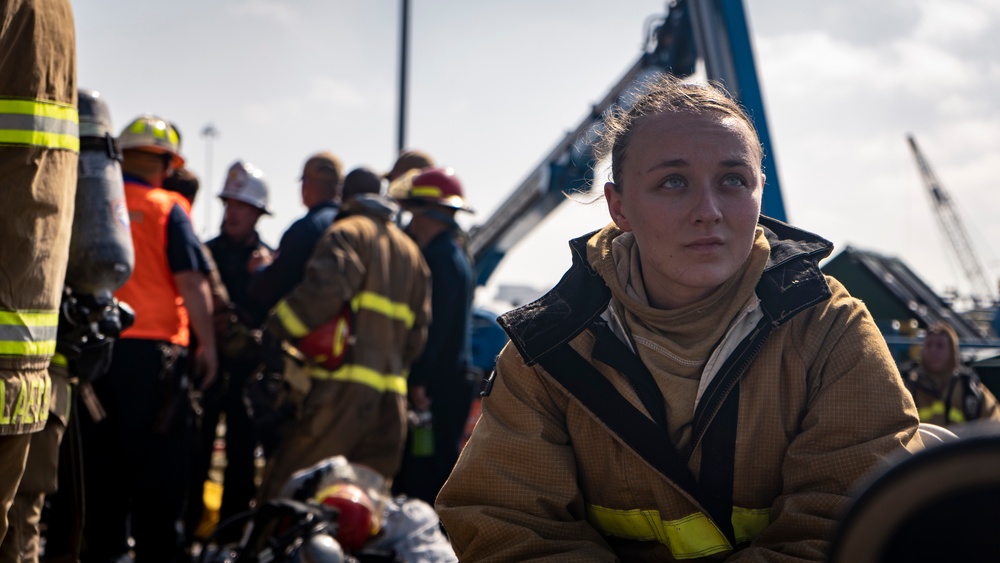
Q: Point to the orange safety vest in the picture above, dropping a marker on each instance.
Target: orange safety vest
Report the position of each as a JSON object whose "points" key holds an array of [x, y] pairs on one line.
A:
{"points": [[151, 291]]}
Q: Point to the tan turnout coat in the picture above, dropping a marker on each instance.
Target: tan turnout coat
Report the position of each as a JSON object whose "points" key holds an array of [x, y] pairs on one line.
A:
{"points": [[820, 407], [358, 410]]}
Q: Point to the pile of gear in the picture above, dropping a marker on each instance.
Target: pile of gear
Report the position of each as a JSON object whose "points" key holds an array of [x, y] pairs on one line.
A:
{"points": [[335, 511]]}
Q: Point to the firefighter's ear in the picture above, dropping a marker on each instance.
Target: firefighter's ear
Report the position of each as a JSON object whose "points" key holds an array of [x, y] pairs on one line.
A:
{"points": [[614, 198]]}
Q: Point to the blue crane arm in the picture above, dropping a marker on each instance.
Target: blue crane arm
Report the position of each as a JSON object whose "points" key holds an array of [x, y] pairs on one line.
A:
{"points": [[713, 30]]}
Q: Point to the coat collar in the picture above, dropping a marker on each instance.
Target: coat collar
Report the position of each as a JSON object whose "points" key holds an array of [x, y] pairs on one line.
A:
{"points": [[791, 282]]}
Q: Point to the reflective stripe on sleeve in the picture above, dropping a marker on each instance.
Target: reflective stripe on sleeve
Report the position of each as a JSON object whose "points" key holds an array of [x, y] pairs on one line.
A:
{"points": [[383, 305], [295, 327], [690, 537], [367, 300], [28, 333], [39, 123], [60, 360], [381, 382]]}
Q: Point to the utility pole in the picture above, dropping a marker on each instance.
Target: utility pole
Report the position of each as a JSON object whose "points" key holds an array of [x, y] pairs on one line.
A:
{"points": [[404, 26], [209, 132]]}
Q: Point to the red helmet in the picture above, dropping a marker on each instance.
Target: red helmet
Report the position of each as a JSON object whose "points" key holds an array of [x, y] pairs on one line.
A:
{"points": [[356, 519], [439, 186], [329, 343]]}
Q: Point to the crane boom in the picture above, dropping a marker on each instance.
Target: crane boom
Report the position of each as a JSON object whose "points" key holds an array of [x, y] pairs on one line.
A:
{"points": [[951, 224], [714, 31]]}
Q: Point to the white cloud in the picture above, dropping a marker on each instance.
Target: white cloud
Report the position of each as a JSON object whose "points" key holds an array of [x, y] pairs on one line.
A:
{"points": [[271, 11], [955, 21], [323, 97]]}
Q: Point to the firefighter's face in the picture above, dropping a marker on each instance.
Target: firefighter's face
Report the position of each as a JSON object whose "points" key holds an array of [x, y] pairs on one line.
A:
{"points": [[239, 220], [937, 352], [690, 194]]}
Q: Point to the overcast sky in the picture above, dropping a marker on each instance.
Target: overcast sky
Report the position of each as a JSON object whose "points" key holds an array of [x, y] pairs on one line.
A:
{"points": [[495, 85]]}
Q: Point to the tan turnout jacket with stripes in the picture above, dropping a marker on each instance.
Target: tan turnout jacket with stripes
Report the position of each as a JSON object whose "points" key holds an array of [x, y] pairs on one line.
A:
{"points": [[819, 407], [359, 409], [39, 148]]}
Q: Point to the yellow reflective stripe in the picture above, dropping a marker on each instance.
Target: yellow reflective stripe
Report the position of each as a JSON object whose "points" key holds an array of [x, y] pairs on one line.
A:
{"points": [[59, 360], [936, 408], [689, 537], [19, 348], [39, 123], [53, 110], [383, 305], [31, 404], [748, 523], [28, 333], [159, 129], [340, 342], [926, 413], [426, 191], [295, 327], [30, 318], [40, 139], [381, 382]]}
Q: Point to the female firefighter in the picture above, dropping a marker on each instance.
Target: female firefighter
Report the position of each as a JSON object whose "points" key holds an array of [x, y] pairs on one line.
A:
{"points": [[693, 388]]}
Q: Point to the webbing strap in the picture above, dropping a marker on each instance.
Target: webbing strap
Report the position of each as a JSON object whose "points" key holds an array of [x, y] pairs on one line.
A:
{"points": [[715, 425], [600, 397], [608, 349], [718, 422]]}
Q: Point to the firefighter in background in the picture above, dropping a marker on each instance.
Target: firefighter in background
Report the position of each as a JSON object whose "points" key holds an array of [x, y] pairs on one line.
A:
{"points": [[945, 391], [185, 183], [361, 180], [136, 458], [367, 282], [39, 145], [408, 164], [237, 248], [438, 382]]}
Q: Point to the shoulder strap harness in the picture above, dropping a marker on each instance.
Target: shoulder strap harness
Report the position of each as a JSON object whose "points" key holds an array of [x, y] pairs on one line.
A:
{"points": [[542, 331]]}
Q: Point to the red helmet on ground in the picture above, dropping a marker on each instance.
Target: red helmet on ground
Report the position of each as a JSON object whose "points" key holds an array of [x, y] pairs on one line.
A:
{"points": [[356, 521], [439, 186]]}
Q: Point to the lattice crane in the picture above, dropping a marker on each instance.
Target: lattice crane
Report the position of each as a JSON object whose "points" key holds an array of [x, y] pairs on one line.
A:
{"points": [[951, 224]]}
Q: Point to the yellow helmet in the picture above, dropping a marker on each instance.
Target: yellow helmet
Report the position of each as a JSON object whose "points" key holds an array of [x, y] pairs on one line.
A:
{"points": [[153, 134]]}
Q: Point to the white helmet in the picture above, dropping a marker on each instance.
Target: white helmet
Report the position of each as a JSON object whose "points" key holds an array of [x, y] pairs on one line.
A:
{"points": [[245, 182]]}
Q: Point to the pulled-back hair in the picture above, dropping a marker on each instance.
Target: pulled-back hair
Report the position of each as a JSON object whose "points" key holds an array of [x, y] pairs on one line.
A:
{"points": [[663, 94]]}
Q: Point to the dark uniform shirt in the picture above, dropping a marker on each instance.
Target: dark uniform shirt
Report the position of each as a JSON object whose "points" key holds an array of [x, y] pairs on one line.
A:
{"points": [[232, 259], [446, 354], [272, 282]]}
